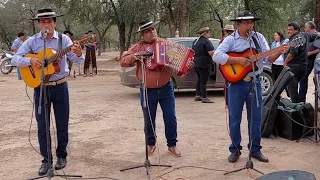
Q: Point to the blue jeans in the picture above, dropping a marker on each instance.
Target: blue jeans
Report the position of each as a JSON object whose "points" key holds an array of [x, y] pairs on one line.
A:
{"points": [[18, 71], [165, 97], [303, 88], [59, 96], [238, 93]]}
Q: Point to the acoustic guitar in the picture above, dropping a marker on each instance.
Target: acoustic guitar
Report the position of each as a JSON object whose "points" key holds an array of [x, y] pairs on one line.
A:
{"points": [[235, 72], [32, 76]]}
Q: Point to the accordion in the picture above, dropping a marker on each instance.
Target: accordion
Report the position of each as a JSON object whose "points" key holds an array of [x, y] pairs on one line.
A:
{"points": [[170, 56]]}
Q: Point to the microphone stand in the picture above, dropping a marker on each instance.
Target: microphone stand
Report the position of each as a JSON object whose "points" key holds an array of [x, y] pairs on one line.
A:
{"points": [[249, 163], [147, 163], [43, 91]]}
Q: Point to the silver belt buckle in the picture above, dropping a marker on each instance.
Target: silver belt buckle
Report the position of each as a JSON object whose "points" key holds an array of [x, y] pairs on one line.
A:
{"points": [[247, 78]]}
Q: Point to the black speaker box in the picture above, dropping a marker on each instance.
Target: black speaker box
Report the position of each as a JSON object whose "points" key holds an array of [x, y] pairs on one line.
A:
{"points": [[285, 126]]}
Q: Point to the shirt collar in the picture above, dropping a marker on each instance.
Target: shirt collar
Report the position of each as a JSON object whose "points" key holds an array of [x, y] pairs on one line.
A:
{"points": [[236, 34]]}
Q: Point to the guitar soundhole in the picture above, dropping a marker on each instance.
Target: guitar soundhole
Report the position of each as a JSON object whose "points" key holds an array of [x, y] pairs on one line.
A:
{"points": [[32, 72]]}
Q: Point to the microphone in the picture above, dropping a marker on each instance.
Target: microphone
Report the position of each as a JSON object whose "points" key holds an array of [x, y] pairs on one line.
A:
{"points": [[46, 31], [249, 32], [144, 53]]}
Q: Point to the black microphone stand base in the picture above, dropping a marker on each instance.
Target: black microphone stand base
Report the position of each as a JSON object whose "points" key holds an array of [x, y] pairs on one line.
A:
{"points": [[249, 165], [316, 135], [146, 164]]}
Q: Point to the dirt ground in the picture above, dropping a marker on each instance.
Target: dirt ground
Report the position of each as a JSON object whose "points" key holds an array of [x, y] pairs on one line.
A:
{"points": [[106, 135]]}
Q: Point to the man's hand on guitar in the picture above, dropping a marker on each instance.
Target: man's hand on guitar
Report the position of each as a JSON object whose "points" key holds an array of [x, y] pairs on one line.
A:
{"points": [[36, 62], [76, 48], [244, 61]]}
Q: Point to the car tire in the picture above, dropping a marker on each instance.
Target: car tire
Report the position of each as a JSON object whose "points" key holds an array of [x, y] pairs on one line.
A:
{"points": [[266, 83]]}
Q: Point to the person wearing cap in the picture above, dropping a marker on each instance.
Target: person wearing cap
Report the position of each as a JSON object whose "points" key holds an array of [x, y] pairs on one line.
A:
{"points": [[203, 49], [243, 91], [229, 29], [16, 45], [159, 88], [57, 86], [69, 34], [296, 59], [90, 58], [309, 27]]}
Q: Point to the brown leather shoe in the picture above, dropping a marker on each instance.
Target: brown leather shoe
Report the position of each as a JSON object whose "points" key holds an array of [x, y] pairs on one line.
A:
{"points": [[151, 149], [197, 98], [174, 151]]}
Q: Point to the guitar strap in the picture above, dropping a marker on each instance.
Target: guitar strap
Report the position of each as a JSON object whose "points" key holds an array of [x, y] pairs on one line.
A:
{"points": [[60, 42], [256, 44]]}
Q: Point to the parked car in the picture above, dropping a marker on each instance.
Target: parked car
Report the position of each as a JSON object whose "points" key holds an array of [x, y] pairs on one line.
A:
{"points": [[189, 81]]}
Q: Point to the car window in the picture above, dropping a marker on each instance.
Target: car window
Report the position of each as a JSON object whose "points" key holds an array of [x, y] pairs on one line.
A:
{"points": [[215, 44], [186, 43]]}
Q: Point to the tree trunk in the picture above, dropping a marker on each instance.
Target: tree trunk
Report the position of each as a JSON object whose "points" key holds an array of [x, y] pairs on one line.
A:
{"points": [[184, 18], [246, 5], [129, 35], [171, 20], [317, 21], [33, 27], [122, 37], [99, 43], [104, 45]]}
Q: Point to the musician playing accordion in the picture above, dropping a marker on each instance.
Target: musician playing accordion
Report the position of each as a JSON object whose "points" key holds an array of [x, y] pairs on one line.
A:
{"points": [[159, 88]]}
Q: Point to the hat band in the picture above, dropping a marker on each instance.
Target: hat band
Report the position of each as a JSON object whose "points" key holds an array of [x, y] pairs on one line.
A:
{"points": [[146, 25], [245, 17], [46, 14]]}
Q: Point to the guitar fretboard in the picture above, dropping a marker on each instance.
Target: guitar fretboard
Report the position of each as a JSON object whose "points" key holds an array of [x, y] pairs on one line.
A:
{"points": [[262, 55], [59, 54]]}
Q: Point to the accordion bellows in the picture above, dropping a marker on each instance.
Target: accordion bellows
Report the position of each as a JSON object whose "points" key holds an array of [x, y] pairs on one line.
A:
{"points": [[170, 56]]}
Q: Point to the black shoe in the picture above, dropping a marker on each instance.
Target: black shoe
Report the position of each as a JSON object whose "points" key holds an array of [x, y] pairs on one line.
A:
{"points": [[260, 157], [43, 169], [233, 157], [61, 163]]}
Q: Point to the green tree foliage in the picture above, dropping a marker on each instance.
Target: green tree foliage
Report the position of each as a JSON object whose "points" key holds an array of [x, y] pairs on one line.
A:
{"points": [[116, 21]]}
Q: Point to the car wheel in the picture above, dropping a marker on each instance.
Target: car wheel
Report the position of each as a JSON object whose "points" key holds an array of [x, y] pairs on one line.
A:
{"points": [[266, 83]]}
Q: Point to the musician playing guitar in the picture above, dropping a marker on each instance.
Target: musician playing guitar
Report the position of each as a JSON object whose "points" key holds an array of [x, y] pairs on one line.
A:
{"points": [[159, 88], [57, 86], [242, 91]]}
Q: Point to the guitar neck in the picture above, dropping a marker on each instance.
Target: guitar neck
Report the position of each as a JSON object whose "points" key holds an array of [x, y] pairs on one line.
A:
{"points": [[59, 54], [262, 55]]}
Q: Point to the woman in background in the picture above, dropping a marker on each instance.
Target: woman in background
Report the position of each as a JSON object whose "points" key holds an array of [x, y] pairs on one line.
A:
{"points": [[277, 65]]}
